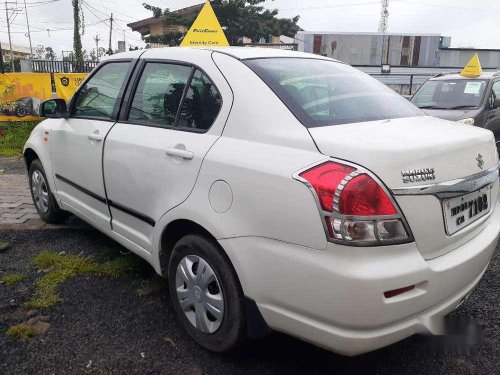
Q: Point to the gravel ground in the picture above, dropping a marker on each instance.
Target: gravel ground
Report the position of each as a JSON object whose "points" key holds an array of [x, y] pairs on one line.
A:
{"points": [[119, 326], [11, 165]]}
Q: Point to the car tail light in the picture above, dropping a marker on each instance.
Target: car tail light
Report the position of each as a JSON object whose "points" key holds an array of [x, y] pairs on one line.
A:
{"points": [[355, 207]]}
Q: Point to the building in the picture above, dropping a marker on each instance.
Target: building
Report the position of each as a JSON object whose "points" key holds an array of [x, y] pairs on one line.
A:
{"points": [[18, 52], [155, 26], [374, 48], [396, 50], [458, 57]]}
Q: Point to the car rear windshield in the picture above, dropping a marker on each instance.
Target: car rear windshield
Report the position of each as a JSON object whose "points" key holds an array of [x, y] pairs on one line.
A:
{"points": [[450, 94], [324, 92]]}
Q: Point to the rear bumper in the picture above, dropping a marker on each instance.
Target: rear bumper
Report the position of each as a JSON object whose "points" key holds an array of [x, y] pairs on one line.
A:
{"points": [[334, 298]]}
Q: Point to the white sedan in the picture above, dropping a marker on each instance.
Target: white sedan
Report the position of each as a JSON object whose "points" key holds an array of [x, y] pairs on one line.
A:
{"points": [[274, 190]]}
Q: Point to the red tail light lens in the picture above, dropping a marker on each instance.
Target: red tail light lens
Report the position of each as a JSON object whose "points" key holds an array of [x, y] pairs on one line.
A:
{"points": [[348, 197], [325, 178], [362, 196]]}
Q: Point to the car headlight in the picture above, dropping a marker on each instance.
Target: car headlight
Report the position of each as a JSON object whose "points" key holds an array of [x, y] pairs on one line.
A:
{"points": [[466, 121]]}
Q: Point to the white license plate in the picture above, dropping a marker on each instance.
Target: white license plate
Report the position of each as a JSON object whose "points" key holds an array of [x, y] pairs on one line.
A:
{"points": [[461, 211]]}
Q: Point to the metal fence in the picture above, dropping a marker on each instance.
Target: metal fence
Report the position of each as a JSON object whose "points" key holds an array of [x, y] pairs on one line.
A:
{"points": [[44, 66], [284, 46], [405, 84]]}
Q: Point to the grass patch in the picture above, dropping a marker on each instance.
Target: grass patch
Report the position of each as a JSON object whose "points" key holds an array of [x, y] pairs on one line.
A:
{"points": [[21, 332], [62, 267], [13, 136], [12, 278]]}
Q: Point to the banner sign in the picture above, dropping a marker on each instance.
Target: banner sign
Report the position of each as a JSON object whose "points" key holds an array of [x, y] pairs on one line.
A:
{"points": [[21, 95], [67, 83], [206, 30]]}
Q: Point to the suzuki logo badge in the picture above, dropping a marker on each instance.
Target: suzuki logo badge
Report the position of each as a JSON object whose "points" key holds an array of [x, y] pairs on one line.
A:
{"points": [[480, 161]]}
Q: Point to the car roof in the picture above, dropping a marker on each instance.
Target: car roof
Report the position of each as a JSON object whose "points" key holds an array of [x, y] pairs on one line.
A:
{"points": [[240, 53], [484, 75]]}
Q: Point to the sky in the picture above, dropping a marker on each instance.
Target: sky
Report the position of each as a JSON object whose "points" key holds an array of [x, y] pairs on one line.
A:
{"points": [[469, 23]]}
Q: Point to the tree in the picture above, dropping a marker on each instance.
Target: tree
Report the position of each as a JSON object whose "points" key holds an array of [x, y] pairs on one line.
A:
{"points": [[238, 18], [77, 39], [50, 54], [44, 53]]}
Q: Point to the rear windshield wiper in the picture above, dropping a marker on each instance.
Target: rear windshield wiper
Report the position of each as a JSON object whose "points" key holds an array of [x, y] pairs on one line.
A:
{"points": [[463, 107]]}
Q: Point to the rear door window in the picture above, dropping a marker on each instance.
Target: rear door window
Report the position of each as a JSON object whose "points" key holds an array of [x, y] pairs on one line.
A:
{"points": [[159, 94]]}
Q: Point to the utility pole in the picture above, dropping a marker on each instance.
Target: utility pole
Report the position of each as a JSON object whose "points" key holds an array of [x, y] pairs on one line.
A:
{"points": [[28, 24], [97, 39], [1, 59], [10, 40], [384, 17], [110, 51]]}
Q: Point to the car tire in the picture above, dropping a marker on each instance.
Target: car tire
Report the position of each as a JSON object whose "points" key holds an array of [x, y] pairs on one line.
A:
{"points": [[44, 200], [193, 291], [20, 111]]}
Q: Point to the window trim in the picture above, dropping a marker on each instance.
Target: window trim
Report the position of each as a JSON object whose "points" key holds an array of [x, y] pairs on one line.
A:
{"points": [[119, 99], [135, 79]]}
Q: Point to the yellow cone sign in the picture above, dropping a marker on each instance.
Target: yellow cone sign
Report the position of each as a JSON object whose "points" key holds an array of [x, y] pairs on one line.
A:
{"points": [[473, 68], [206, 30]]}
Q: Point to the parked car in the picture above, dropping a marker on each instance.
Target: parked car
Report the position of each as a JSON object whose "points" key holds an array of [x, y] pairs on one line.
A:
{"points": [[471, 101], [22, 107], [274, 190]]}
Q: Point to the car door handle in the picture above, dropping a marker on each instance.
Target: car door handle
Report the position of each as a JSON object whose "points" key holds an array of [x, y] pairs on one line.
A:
{"points": [[188, 155], [95, 137]]}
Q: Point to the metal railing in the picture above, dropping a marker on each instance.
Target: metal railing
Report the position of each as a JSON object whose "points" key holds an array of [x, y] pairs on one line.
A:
{"points": [[47, 66], [412, 80], [284, 46]]}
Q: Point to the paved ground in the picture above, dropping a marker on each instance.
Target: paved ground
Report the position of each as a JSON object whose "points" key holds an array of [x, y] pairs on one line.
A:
{"points": [[16, 205]]}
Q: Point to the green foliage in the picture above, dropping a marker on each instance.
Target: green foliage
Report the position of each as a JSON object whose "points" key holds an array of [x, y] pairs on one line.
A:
{"points": [[22, 332], [15, 135], [61, 267], [239, 18], [157, 12], [77, 39], [12, 278]]}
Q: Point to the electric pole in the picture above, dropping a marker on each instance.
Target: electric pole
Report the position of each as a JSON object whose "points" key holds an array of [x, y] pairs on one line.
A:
{"points": [[1, 58], [384, 17], [8, 31], [110, 51], [97, 39], [28, 24]]}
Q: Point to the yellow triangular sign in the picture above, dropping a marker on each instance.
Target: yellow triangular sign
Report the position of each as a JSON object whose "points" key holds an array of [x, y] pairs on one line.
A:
{"points": [[473, 68], [206, 30]]}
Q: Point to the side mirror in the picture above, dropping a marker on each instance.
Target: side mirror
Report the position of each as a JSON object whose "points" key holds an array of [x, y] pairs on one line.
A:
{"points": [[54, 108], [496, 103]]}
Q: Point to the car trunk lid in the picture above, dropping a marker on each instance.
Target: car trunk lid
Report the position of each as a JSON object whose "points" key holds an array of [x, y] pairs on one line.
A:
{"points": [[431, 150]]}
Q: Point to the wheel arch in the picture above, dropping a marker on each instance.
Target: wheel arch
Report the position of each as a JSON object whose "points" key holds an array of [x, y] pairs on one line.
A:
{"points": [[29, 156], [173, 232]]}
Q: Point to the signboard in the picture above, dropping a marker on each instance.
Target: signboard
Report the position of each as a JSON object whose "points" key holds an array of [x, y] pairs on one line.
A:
{"points": [[21, 95], [67, 83], [205, 31], [473, 68]]}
